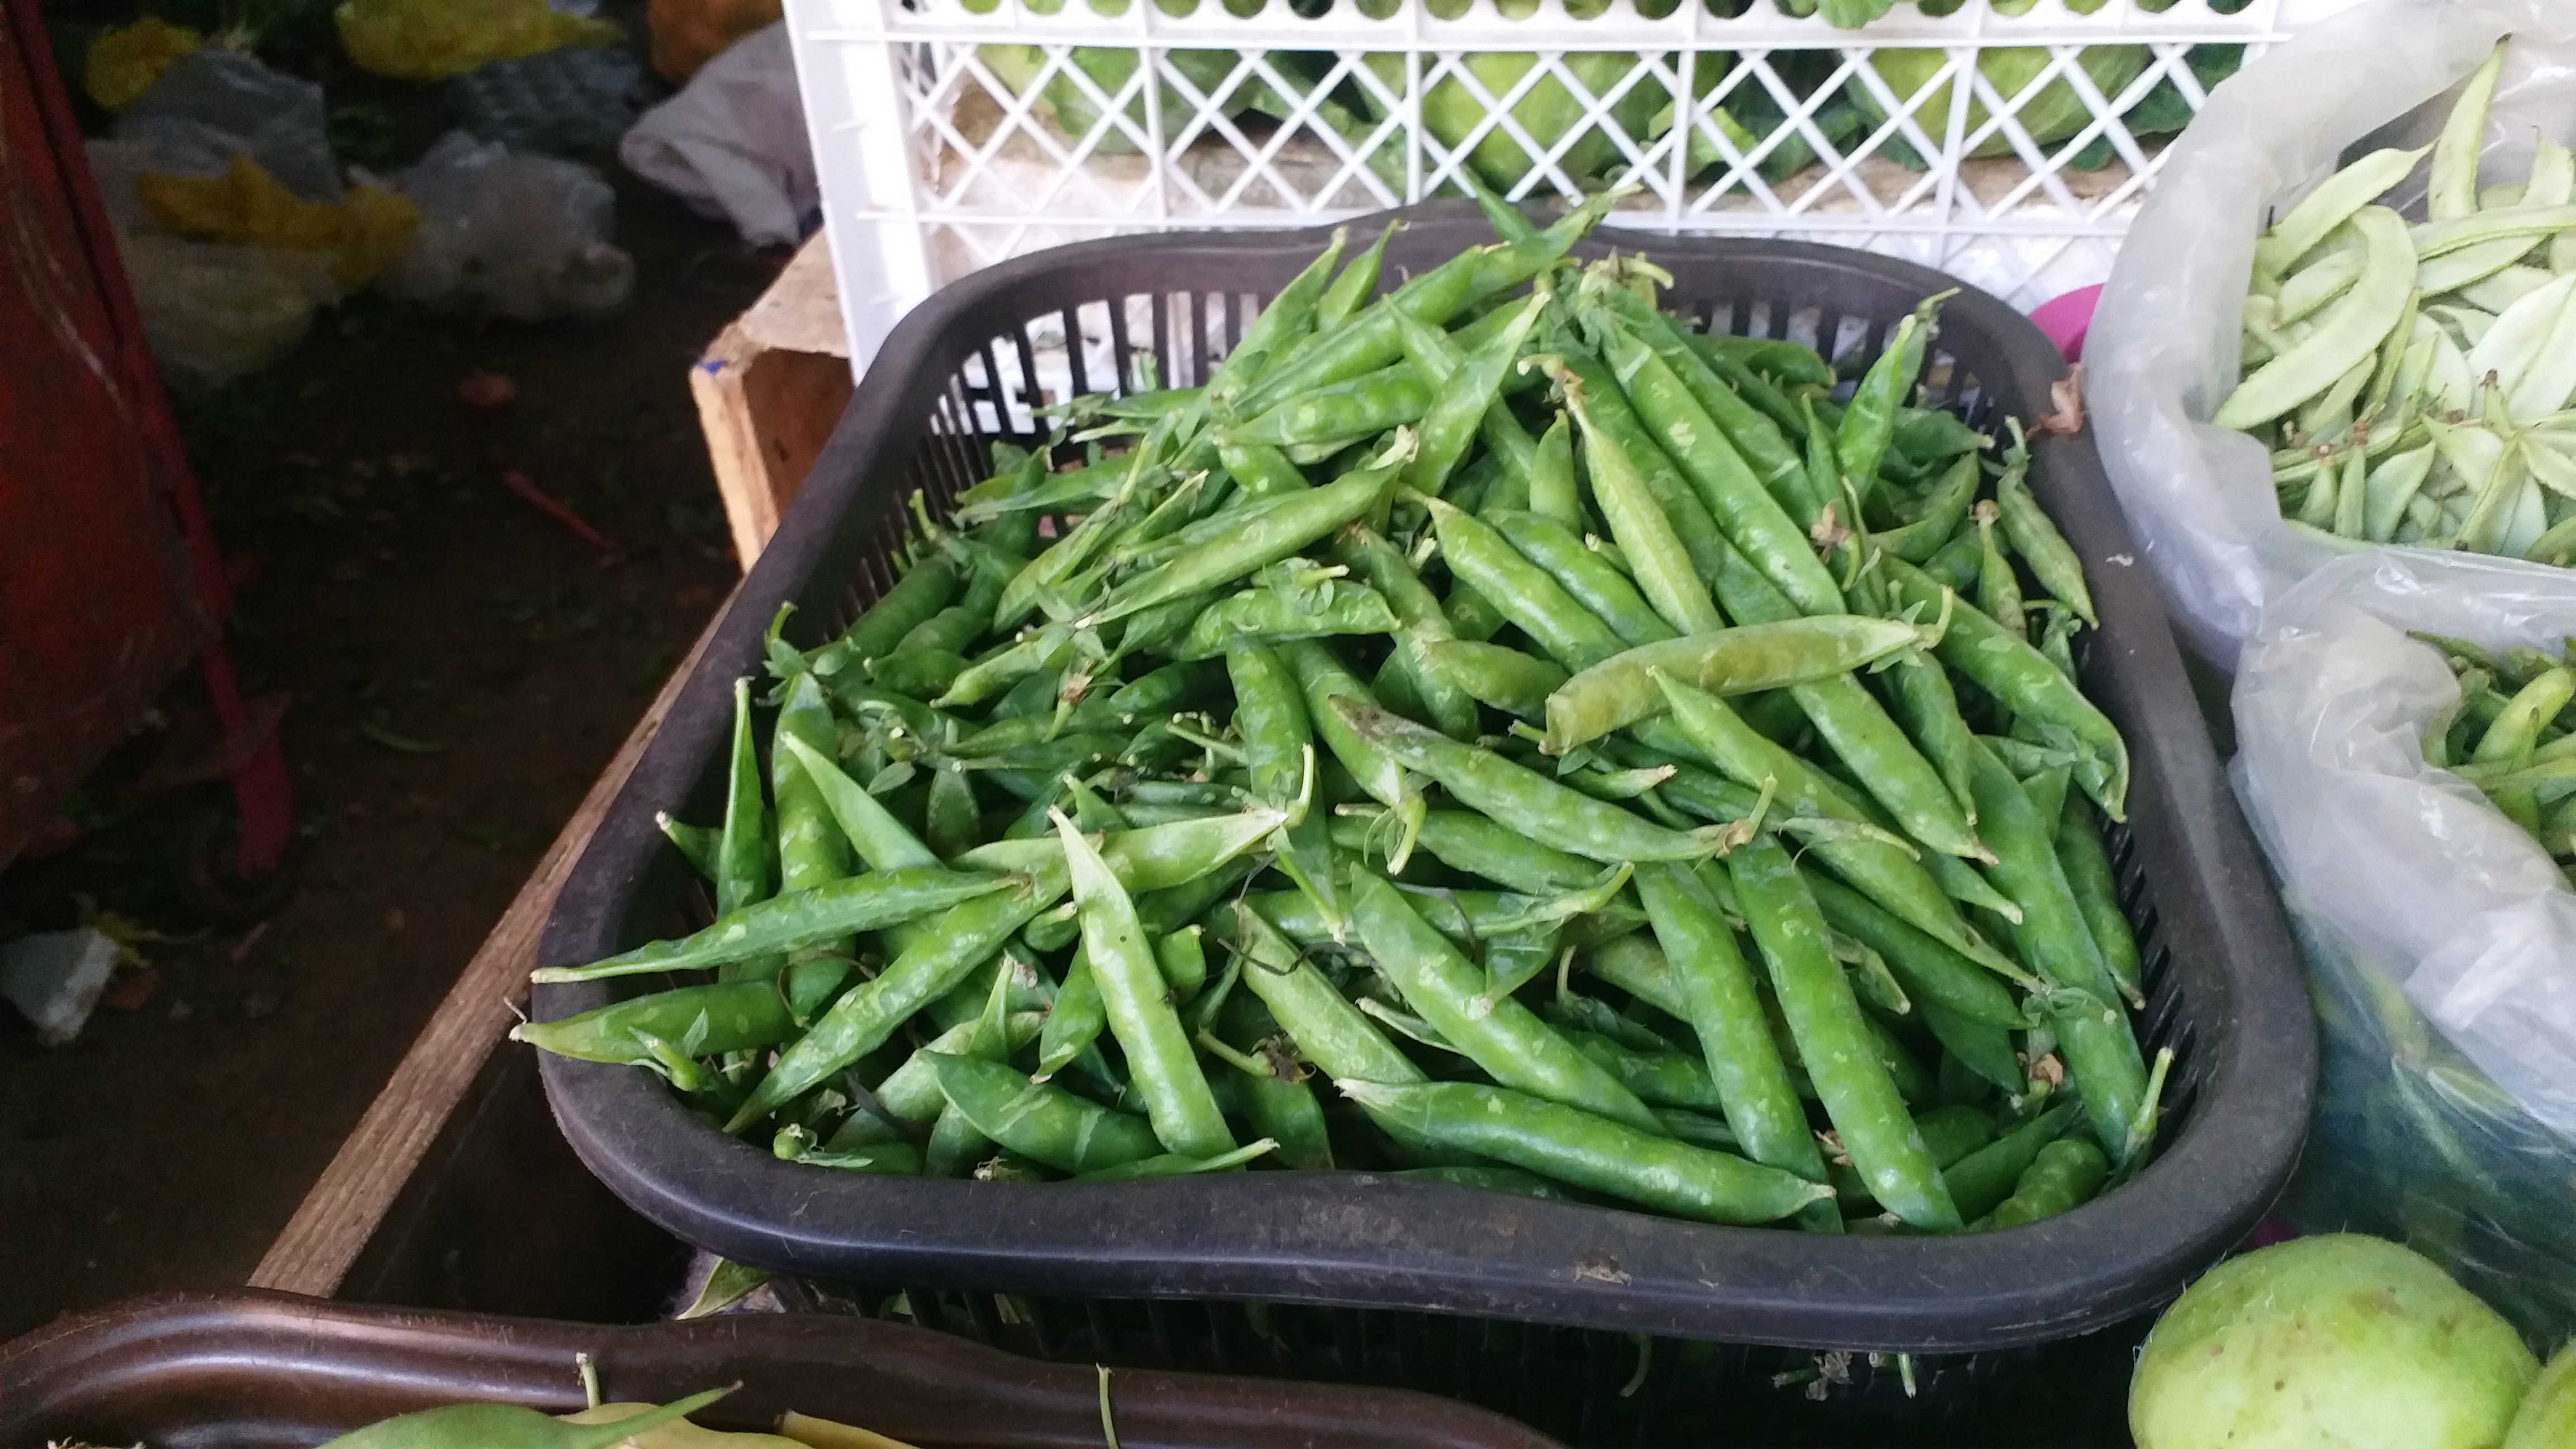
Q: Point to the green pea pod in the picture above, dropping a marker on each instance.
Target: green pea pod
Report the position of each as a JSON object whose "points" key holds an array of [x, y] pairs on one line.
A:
{"points": [[955, 629], [1954, 565], [1715, 985], [1522, 799], [1076, 1020], [1165, 1070], [1288, 318], [1621, 690], [1998, 589], [1424, 623], [867, 1016], [1577, 1147], [1790, 364], [910, 1093], [2067, 1173], [1158, 693], [1181, 1164], [507, 1426], [1704, 1131], [1981, 1181], [2037, 540], [1731, 396], [1323, 679], [1751, 517], [1457, 410], [1480, 556], [2024, 681], [1710, 553], [1835, 1040], [2097, 894], [1508, 1041], [1356, 285], [1069, 555], [696, 843], [1929, 969], [1151, 858], [1552, 487], [1662, 1079], [1583, 572], [746, 854], [914, 600], [700, 1021], [1393, 396], [1280, 1107], [2346, 336], [1949, 1134], [1664, 569], [952, 818], [1889, 873], [2052, 935], [1262, 470], [1039, 1120], [2321, 211], [1275, 615], [1371, 340], [1328, 1030], [1464, 840], [1509, 222], [883, 841], [1263, 533], [1943, 508], [870, 902], [1507, 679], [1182, 960], [1929, 709], [2452, 191], [1869, 420], [884, 1159], [1984, 1050], [925, 675]]}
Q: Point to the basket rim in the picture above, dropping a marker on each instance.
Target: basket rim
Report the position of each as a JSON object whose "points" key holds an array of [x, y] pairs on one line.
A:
{"points": [[1369, 1240]]}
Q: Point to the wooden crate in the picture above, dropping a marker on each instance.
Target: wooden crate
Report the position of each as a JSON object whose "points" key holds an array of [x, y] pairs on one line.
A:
{"points": [[770, 389]]}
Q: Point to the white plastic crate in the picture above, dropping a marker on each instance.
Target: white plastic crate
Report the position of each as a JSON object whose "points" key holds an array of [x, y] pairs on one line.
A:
{"points": [[940, 152]]}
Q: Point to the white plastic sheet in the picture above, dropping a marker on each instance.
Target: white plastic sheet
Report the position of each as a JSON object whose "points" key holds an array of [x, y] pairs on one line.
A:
{"points": [[732, 144], [2440, 938], [2163, 351]]}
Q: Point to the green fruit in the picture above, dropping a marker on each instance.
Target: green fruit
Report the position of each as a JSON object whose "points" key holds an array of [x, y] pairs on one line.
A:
{"points": [[2328, 1343], [1075, 113], [2548, 1417], [1452, 112], [2056, 113]]}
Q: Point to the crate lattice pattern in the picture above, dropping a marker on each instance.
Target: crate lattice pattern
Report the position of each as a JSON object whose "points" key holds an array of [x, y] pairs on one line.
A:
{"points": [[1026, 130]]}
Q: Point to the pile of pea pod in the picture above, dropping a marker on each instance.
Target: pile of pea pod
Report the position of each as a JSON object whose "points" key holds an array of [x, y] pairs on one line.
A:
{"points": [[2518, 747], [2415, 381], [1488, 732]]}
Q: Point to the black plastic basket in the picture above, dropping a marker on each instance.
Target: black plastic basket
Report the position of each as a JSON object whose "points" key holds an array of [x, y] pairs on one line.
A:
{"points": [[960, 373]]}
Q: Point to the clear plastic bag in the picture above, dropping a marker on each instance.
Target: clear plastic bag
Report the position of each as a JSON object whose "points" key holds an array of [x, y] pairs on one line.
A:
{"points": [[211, 311], [214, 104], [732, 144], [2440, 939], [2163, 350], [524, 237]]}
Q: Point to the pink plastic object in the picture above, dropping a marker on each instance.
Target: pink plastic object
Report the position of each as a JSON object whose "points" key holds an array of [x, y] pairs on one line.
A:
{"points": [[2065, 319]]}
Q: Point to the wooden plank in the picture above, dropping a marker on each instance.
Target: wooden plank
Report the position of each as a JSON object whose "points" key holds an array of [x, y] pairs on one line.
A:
{"points": [[348, 1201], [769, 391], [801, 311]]}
